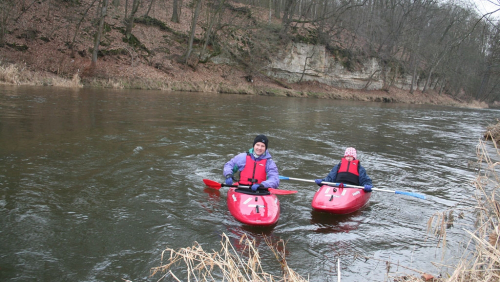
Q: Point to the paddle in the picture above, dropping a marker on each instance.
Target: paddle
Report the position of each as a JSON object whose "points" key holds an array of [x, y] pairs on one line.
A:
{"points": [[357, 187], [217, 185]]}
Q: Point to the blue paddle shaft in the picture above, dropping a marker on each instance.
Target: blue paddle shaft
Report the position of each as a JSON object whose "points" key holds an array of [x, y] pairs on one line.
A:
{"points": [[354, 186], [410, 194]]}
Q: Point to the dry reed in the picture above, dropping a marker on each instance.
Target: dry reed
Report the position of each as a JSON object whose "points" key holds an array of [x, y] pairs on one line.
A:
{"points": [[481, 258], [493, 132], [484, 262], [15, 74], [226, 264]]}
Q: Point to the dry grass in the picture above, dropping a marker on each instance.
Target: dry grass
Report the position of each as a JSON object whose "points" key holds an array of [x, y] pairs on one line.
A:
{"points": [[481, 258], [19, 75], [493, 132], [226, 264], [484, 264], [14, 74]]}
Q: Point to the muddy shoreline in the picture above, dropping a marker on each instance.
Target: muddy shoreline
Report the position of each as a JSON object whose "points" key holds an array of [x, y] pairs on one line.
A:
{"points": [[207, 79]]}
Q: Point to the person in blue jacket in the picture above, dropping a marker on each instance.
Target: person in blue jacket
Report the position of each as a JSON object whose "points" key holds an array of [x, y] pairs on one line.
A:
{"points": [[348, 171], [256, 167]]}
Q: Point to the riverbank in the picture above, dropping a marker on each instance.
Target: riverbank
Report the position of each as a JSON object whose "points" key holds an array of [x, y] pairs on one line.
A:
{"points": [[32, 55], [214, 78]]}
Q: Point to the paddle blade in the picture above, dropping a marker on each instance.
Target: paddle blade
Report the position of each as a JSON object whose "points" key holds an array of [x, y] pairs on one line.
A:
{"points": [[280, 192], [410, 194], [212, 184]]}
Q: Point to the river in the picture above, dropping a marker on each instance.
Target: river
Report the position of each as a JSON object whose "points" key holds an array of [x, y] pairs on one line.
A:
{"points": [[96, 183]]}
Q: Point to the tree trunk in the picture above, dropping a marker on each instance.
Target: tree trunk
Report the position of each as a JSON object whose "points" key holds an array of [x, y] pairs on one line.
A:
{"points": [[484, 80], [24, 9], [77, 29], [49, 9], [287, 16], [175, 12], [129, 22], [193, 29], [441, 56], [426, 82], [5, 14], [414, 77], [305, 65], [385, 84], [97, 41], [149, 8], [370, 79], [211, 24], [126, 10], [438, 80], [270, 10], [395, 77], [277, 9], [442, 87]]}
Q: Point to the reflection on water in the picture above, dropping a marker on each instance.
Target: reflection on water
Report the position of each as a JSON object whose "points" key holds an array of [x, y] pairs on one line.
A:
{"points": [[336, 223], [213, 194], [95, 183]]}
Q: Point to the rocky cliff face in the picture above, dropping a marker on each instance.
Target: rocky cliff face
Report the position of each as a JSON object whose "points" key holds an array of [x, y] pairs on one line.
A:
{"points": [[304, 62]]}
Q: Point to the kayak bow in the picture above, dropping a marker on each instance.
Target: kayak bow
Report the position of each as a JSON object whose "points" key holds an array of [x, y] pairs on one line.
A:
{"points": [[253, 208], [339, 200]]}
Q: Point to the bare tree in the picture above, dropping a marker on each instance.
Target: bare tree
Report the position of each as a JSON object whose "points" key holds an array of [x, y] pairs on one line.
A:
{"points": [[77, 29], [129, 20], [149, 8], [213, 17], [97, 40], [196, 13], [287, 16], [175, 11], [489, 86], [6, 8], [305, 68]]}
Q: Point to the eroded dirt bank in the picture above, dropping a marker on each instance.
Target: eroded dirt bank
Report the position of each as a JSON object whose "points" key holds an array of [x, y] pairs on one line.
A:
{"points": [[217, 79]]}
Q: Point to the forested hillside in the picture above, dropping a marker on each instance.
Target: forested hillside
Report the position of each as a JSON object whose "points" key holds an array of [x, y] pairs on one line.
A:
{"points": [[445, 47]]}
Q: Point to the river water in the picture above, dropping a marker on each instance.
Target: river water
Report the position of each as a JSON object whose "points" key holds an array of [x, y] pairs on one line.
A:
{"points": [[95, 184]]}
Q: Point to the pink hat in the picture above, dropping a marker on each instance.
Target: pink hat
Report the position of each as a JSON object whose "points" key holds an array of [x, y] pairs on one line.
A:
{"points": [[350, 152]]}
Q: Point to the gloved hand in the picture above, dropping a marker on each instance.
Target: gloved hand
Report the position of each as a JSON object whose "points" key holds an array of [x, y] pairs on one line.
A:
{"points": [[341, 185], [229, 180], [256, 186], [318, 181], [368, 188]]}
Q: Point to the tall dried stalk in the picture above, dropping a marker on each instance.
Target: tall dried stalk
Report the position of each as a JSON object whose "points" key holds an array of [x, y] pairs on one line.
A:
{"points": [[225, 265], [482, 261], [481, 258]]}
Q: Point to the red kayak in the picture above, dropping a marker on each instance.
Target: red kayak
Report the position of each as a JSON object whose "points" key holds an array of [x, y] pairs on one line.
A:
{"points": [[253, 208], [339, 200]]}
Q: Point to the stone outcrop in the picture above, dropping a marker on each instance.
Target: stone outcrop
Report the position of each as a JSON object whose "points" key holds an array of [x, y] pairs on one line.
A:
{"points": [[304, 62]]}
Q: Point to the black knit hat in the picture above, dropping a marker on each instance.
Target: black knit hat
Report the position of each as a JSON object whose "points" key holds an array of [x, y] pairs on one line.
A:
{"points": [[261, 138]]}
